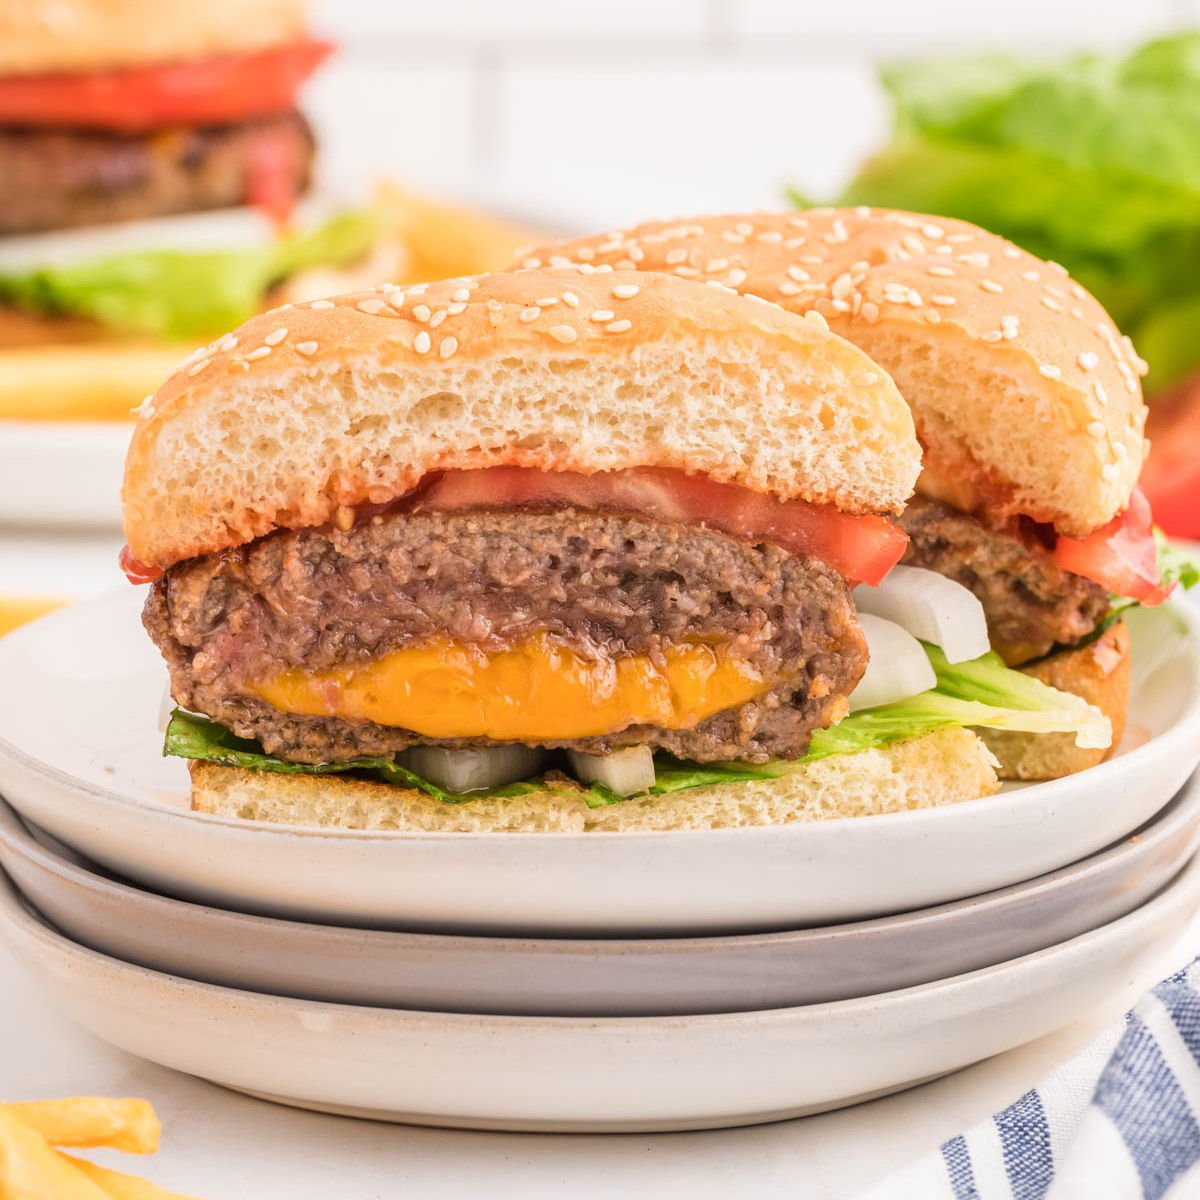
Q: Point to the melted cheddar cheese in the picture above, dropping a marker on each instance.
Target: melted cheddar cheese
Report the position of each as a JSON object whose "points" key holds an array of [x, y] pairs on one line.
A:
{"points": [[538, 690]]}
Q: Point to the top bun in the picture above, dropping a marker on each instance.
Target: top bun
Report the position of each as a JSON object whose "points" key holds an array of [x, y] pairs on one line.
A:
{"points": [[337, 403], [93, 35], [1026, 397]]}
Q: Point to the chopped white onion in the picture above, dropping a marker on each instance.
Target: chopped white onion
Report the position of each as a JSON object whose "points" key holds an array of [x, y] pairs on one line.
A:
{"points": [[476, 769], [932, 608], [627, 772], [898, 665]]}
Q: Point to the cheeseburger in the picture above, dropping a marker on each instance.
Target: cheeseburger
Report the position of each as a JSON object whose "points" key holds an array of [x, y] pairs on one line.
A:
{"points": [[1027, 405], [152, 156], [559, 549]]}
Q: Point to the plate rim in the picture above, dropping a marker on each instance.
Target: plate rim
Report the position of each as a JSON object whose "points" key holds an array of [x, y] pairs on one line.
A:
{"points": [[1182, 810], [16, 915], [1186, 726]]}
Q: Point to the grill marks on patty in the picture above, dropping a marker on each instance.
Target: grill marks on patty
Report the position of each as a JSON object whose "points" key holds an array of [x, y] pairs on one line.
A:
{"points": [[601, 583], [59, 178], [1031, 603]]}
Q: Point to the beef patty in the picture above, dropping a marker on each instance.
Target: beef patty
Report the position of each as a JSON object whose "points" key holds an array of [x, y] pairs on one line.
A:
{"points": [[58, 178], [1032, 604], [598, 583]]}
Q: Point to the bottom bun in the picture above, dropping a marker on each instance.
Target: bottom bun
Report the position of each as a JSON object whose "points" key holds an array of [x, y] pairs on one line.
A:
{"points": [[1099, 672], [940, 768]]}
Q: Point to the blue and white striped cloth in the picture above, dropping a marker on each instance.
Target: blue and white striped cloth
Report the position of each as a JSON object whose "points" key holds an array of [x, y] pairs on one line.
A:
{"points": [[1119, 1121]]}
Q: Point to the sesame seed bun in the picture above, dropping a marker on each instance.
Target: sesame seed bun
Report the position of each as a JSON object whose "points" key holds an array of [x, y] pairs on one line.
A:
{"points": [[337, 403], [1026, 398], [92, 35]]}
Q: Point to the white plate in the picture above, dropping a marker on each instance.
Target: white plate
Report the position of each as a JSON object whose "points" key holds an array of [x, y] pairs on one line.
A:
{"points": [[80, 756], [609, 1074], [62, 473]]}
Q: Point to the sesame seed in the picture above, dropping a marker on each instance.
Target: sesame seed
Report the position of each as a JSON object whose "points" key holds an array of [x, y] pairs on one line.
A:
{"points": [[586, 253], [1088, 359], [1077, 291], [530, 314], [787, 288], [422, 342], [993, 335], [675, 256], [914, 298], [975, 259], [563, 333], [604, 269], [636, 253], [769, 235], [322, 304], [799, 274], [815, 318], [306, 348], [990, 285], [1109, 471], [227, 343], [870, 311], [1030, 276], [618, 326], [1096, 429], [736, 277], [1011, 252], [448, 347], [421, 312], [461, 295], [867, 378], [734, 239], [548, 302], [202, 365], [961, 237], [840, 305], [1050, 371], [933, 316], [371, 307], [933, 231], [456, 308], [943, 272], [626, 291], [1101, 394], [686, 272], [944, 301], [1052, 304], [570, 299], [343, 518], [275, 337], [602, 315], [716, 264], [437, 318], [912, 244], [261, 352]]}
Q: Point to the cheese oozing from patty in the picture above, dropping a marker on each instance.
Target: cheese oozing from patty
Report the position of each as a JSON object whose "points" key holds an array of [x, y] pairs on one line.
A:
{"points": [[538, 690]]}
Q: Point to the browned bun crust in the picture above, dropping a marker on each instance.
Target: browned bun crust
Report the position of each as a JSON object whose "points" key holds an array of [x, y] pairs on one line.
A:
{"points": [[1025, 396], [1099, 672], [318, 407], [91, 35]]}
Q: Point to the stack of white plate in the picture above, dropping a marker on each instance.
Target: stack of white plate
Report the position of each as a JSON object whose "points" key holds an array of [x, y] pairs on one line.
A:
{"points": [[573, 982]]}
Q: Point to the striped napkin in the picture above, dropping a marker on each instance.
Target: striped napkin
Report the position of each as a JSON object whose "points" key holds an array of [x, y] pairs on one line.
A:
{"points": [[1119, 1121]]}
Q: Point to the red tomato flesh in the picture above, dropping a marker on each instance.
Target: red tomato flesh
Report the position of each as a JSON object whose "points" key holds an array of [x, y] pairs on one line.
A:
{"points": [[211, 91], [1171, 478], [862, 548], [1120, 556]]}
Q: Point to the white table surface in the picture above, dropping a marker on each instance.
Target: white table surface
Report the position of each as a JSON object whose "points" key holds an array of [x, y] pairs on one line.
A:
{"points": [[221, 1146]]}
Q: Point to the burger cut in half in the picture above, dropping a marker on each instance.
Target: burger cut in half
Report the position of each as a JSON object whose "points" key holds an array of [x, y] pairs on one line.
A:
{"points": [[553, 550], [1029, 411]]}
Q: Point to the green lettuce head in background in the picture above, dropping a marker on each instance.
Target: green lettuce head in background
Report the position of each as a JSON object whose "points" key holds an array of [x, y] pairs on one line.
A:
{"points": [[1093, 161]]}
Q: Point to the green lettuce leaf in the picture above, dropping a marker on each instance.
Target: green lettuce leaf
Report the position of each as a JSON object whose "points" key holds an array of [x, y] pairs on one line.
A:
{"points": [[177, 294], [1093, 161]]}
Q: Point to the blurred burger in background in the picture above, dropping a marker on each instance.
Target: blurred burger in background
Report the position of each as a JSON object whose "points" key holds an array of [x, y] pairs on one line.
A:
{"points": [[153, 158], [1092, 161]]}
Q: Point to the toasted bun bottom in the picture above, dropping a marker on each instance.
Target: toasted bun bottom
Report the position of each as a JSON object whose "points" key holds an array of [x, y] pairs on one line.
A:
{"points": [[940, 768], [1098, 672]]}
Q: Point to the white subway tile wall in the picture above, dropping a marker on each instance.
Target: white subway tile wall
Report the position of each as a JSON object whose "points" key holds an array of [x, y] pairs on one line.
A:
{"points": [[580, 115]]}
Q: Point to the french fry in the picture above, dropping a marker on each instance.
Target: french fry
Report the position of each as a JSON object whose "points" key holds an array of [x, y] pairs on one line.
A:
{"points": [[85, 1122], [118, 1186], [31, 1169]]}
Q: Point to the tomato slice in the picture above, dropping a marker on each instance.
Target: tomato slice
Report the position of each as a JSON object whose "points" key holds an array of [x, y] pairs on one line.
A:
{"points": [[231, 87], [137, 572], [1171, 478], [1121, 556], [272, 174], [863, 548]]}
